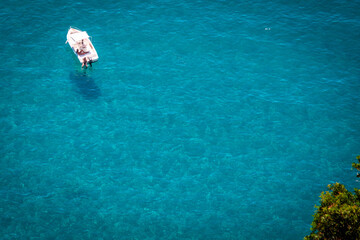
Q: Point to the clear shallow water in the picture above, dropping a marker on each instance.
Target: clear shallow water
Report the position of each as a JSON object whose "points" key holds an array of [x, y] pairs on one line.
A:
{"points": [[196, 123]]}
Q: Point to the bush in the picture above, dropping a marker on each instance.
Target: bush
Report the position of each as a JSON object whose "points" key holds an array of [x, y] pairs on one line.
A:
{"points": [[338, 216]]}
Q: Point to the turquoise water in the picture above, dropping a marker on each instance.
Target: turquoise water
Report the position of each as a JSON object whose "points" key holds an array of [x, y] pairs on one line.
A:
{"points": [[201, 120]]}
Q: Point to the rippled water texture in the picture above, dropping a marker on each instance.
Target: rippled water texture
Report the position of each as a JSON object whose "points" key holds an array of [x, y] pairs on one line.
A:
{"points": [[201, 120]]}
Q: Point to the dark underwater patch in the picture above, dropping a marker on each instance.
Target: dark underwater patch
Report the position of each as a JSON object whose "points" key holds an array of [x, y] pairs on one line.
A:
{"points": [[85, 85]]}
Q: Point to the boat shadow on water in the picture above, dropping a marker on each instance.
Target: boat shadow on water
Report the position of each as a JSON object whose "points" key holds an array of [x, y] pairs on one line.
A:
{"points": [[85, 85]]}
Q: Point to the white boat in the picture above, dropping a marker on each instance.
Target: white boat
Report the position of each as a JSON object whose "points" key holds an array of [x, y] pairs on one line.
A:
{"points": [[81, 45]]}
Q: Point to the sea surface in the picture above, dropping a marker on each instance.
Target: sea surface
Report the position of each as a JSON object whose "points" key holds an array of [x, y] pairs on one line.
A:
{"points": [[201, 120]]}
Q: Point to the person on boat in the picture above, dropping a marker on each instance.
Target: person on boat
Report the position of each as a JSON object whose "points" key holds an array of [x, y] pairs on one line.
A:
{"points": [[81, 52], [82, 45], [85, 61]]}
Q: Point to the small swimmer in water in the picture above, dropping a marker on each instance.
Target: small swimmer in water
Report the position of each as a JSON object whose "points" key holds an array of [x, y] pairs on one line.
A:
{"points": [[85, 61]]}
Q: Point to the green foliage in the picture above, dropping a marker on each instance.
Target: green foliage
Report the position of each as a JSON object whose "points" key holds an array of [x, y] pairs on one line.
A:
{"points": [[357, 165], [338, 216]]}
